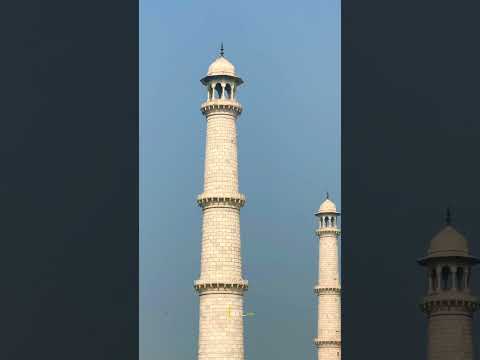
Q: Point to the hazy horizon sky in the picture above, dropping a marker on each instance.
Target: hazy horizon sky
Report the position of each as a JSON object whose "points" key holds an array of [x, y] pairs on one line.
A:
{"points": [[289, 156]]}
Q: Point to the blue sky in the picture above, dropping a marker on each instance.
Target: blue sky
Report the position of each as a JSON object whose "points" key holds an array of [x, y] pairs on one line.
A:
{"points": [[288, 53]]}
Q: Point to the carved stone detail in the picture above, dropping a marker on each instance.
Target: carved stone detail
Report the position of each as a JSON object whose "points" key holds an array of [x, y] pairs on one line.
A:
{"points": [[203, 287], [325, 231], [236, 201], [330, 343], [321, 290], [229, 106], [468, 305]]}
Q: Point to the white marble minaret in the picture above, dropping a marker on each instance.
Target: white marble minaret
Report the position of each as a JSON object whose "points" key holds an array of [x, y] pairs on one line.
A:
{"points": [[221, 285], [328, 340], [449, 303]]}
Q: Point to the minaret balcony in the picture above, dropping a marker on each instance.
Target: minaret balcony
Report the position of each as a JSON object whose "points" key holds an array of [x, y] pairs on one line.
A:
{"points": [[327, 231], [449, 301], [225, 105], [327, 343], [321, 290], [236, 200], [221, 286]]}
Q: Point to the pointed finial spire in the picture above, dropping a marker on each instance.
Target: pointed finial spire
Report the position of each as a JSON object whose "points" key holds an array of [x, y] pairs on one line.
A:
{"points": [[448, 216], [221, 50], [328, 195]]}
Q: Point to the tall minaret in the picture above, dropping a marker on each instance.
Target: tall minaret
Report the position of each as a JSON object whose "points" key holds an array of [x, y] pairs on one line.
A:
{"points": [[221, 285], [328, 340], [449, 304]]}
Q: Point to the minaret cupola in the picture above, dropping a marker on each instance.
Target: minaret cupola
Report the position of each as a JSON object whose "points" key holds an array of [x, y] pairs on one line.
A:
{"points": [[221, 80], [327, 215]]}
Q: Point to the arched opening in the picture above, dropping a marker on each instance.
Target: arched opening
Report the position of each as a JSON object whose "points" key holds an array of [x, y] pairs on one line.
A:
{"points": [[218, 91], [434, 278], [326, 221], [460, 280], [446, 278], [333, 221], [228, 91], [210, 93], [321, 222]]}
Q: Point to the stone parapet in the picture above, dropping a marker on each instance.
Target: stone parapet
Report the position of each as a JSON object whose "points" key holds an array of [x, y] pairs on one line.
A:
{"points": [[327, 231], [449, 303], [221, 105], [236, 201], [237, 286], [322, 343], [329, 291]]}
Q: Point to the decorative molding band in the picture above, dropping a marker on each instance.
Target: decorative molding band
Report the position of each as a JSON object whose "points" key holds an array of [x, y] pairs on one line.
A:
{"points": [[324, 343], [325, 231], [229, 106], [430, 306], [321, 290], [208, 287], [232, 201]]}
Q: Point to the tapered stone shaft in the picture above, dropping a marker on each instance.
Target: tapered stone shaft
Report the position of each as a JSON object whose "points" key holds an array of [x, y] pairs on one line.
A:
{"points": [[221, 285], [328, 290]]}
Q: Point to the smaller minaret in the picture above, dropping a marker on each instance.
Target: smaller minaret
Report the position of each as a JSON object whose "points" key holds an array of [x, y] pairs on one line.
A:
{"points": [[449, 304], [328, 340]]}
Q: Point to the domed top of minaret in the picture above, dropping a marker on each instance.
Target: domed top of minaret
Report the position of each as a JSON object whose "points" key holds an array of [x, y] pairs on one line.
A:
{"points": [[448, 243], [327, 207], [221, 67]]}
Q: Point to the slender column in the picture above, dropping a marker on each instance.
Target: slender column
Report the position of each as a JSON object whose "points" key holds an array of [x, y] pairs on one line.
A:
{"points": [[439, 277], [453, 270], [221, 285], [328, 340], [430, 281], [465, 278]]}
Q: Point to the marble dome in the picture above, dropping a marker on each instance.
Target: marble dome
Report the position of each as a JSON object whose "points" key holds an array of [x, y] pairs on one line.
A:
{"points": [[448, 242], [327, 207], [221, 66]]}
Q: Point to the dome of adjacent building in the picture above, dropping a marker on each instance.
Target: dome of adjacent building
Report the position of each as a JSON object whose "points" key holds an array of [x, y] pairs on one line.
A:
{"points": [[448, 242], [221, 66], [327, 207]]}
